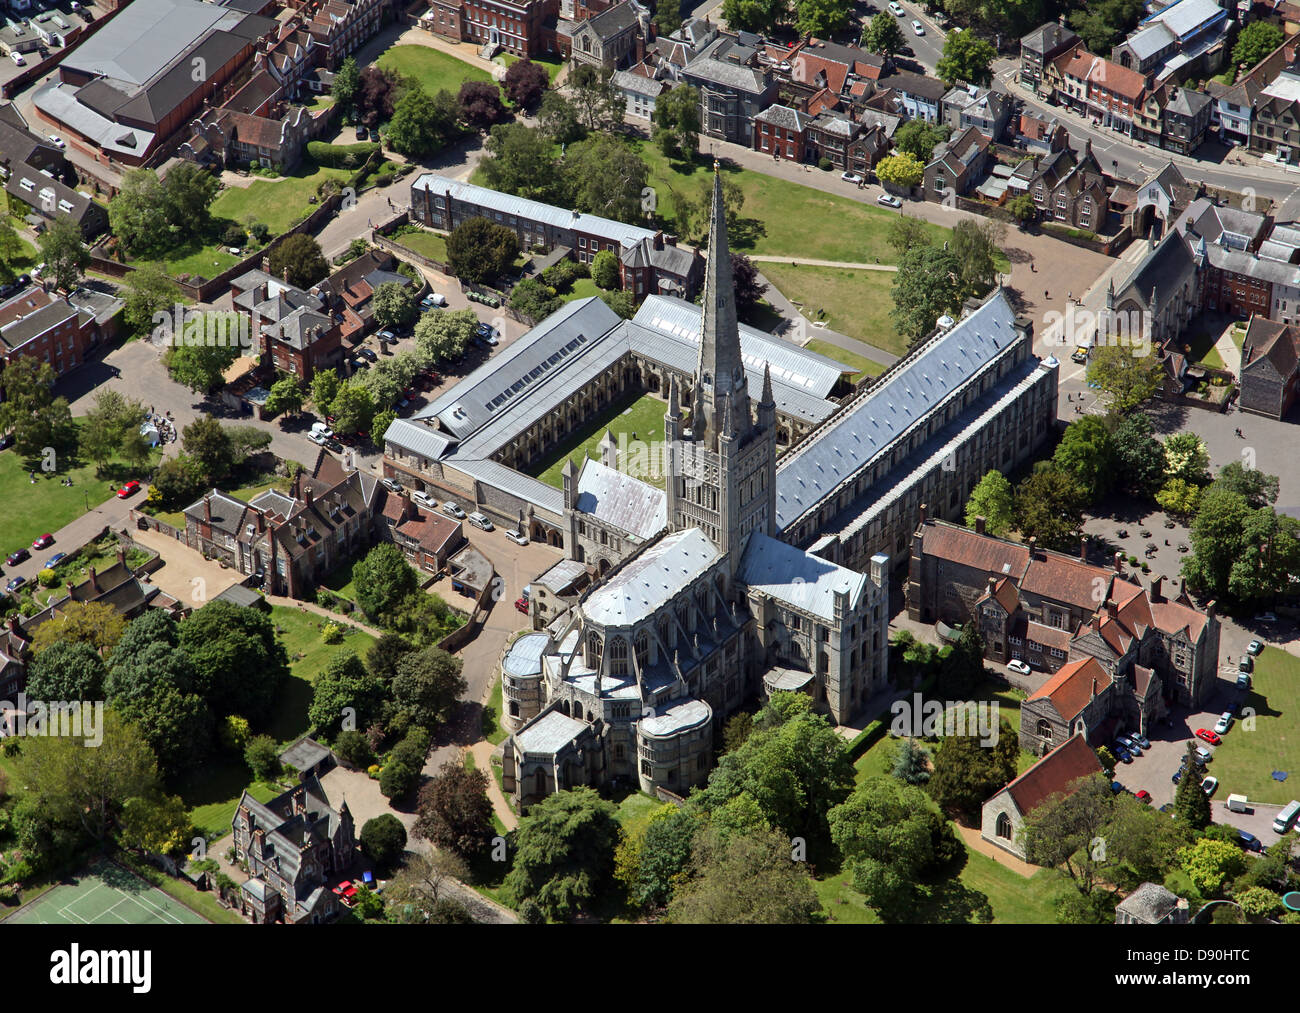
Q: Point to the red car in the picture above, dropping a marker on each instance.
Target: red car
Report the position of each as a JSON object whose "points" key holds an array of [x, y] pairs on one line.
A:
{"points": [[43, 541], [1143, 796], [1208, 736], [130, 489], [522, 605]]}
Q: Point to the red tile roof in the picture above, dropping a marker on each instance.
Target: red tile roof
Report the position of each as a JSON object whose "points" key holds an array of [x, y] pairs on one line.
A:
{"points": [[1054, 774], [960, 545], [1070, 689]]}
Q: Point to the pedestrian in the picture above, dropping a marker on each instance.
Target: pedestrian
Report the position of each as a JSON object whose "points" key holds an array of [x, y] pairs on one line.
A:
{"points": [[1046, 294]]}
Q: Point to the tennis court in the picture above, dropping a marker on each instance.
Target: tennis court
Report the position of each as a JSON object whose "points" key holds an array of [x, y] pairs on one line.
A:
{"points": [[105, 894]]}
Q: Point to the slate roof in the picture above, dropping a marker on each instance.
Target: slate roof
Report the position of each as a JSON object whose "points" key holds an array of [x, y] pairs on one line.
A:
{"points": [[1269, 339], [621, 500], [549, 733], [929, 88], [650, 578], [1048, 37], [801, 580], [784, 116]]}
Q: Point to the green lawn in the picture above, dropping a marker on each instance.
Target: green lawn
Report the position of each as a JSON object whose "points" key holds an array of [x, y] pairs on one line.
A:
{"points": [[492, 730], [855, 303], [212, 794], [340, 581], [643, 417], [1244, 764], [860, 363], [428, 244], [278, 204], [634, 805], [582, 288], [300, 632], [47, 506], [435, 70], [22, 263]]}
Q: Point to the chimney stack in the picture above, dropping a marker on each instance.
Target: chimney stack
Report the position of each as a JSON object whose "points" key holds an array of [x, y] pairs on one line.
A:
{"points": [[1157, 589], [1083, 548], [207, 508], [1033, 544], [121, 555], [94, 583], [979, 525], [1209, 610], [924, 511], [993, 583], [1119, 562]]}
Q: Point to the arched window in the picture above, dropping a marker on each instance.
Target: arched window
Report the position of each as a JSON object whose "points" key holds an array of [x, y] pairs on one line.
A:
{"points": [[1004, 826], [618, 656], [1044, 729], [593, 649], [642, 650]]}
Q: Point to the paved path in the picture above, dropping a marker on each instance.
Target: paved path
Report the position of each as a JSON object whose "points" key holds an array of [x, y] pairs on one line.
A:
{"points": [[1004, 858], [769, 259], [482, 753], [1228, 351]]}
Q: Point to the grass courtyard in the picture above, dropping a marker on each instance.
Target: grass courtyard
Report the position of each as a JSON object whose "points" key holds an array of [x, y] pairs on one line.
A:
{"points": [[641, 420], [428, 244], [277, 204], [435, 70], [856, 303], [860, 363], [1244, 764]]}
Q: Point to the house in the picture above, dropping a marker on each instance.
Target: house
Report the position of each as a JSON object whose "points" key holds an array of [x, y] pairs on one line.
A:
{"points": [[1041, 135], [968, 105], [958, 164], [1068, 187], [308, 757], [1270, 368], [51, 198], [233, 138], [348, 292], [656, 265], [781, 132], [1234, 104], [733, 89], [612, 39], [15, 650], [833, 136], [1243, 271], [293, 329], [341, 27], [292, 845], [1039, 48], [1046, 608], [1057, 774], [1275, 119], [1152, 904], [1186, 119], [918, 97], [1156, 202], [52, 328], [1099, 88], [640, 88], [427, 538], [818, 65]]}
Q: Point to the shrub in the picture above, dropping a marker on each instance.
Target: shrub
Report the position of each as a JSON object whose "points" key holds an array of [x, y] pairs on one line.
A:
{"points": [[332, 633], [47, 578], [262, 757], [353, 749], [383, 839], [233, 236], [397, 780], [826, 165], [325, 599], [260, 232], [341, 156]]}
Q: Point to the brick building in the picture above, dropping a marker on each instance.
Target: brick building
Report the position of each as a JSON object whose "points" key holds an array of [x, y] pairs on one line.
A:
{"points": [[1270, 368]]}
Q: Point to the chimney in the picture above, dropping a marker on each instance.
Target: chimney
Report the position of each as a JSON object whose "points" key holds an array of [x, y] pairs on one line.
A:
{"points": [[12, 622], [307, 497], [121, 555], [1209, 610], [979, 525], [71, 587], [207, 508], [261, 521], [1094, 688], [1033, 544], [94, 583], [924, 510], [993, 583], [1157, 589], [1083, 548], [1119, 562]]}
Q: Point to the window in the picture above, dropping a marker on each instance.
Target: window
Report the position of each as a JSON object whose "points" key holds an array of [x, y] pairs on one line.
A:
{"points": [[647, 768], [1004, 826]]}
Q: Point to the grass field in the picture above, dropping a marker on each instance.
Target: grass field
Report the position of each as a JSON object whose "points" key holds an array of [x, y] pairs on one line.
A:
{"points": [[634, 805], [428, 244], [553, 64], [211, 794], [860, 363], [856, 303], [582, 288], [1244, 764], [492, 729], [300, 632], [279, 204], [23, 262], [436, 71], [644, 417], [105, 894]]}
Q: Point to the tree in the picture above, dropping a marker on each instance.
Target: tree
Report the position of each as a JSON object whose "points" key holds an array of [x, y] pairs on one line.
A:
{"points": [[64, 253], [1187, 458], [525, 84], [1049, 507], [345, 686], [654, 853], [149, 290], [906, 233], [962, 670], [902, 170], [427, 686], [383, 840], [559, 120], [911, 763], [418, 891], [376, 95], [747, 283], [1259, 901], [347, 81], [30, 411], [422, 123], [741, 879], [394, 304], [992, 499], [759, 16], [677, 122], [927, 286], [965, 58], [1126, 379], [521, 161], [263, 757], [189, 191], [1061, 831], [533, 299], [882, 35], [1139, 456], [384, 579], [445, 336], [1179, 497], [379, 426], [966, 773], [604, 270], [108, 424], [286, 396], [96, 624], [564, 853], [353, 408], [1144, 840], [1086, 454], [1255, 41], [480, 104], [156, 825], [1210, 864], [977, 246], [1255, 486], [178, 480], [822, 17], [137, 214], [206, 440], [479, 250], [891, 839], [1101, 25], [599, 105], [299, 261], [324, 388], [919, 138], [200, 367], [87, 788], [66, 670], [607, 177], [454, 811], [239, 663], [668, 16], [12, 250], [1022, 208]]}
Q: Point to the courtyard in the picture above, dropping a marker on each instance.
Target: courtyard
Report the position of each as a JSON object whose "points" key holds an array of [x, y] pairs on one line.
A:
{"points": [[638, 425]]}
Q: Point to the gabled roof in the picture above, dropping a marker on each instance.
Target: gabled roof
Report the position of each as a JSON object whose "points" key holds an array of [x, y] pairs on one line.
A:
{"points": [[1071, 689], [1055, 774], [1271, 340], [621, 500]]}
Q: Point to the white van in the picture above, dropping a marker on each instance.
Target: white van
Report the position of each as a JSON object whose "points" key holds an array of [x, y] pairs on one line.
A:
{"points": [[480, 521], [1238, 803], [1286, 817]]}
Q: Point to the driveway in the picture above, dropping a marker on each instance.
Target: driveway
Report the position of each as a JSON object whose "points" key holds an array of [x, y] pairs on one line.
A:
{"points": [[185, 574]]}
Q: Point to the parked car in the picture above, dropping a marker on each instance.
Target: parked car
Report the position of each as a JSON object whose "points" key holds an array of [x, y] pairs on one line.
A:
{"points": [[1143, 796], [1079, 355], [851, 177], [54, 560], [361, 133], [888, 200], [388, 337], [1203, 755], [896, 9], [917, 28], [16, 583], [425, 500], [1224, 723], [1246, 663], [1178, 774], [1206, 735], [1141, 740], [522, 605], [1168, 807], [43, 541], [1249, 841], [1266, 617], [452, 510], [57, 141], [18, 59], [1255, 647], [320, 439], [369, 353], [1019, 667], [1210, 785], [1243, 681], [1116, 787], [130, 489], [17, 556], [391, 484], [322, 428], [517, 536], [1123, 755], [488, 333]]}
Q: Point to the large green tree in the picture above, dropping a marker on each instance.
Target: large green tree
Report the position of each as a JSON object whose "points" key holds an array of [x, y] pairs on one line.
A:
{"points": [[1064, 830], [993, 500], [384, 579], [427, 686], [928, 285], [564, 853], [607, 177], [345, 695], [1087, 455], [149, 289], [1125, 377], [967, 773], [1139, 456], [883, 36], [966, 57], [677, 122], [239, 663], [64, 253], [480, 250], [299, 261], [422, 123], [66, 670], [1255, 41], [1049, 507], [137, 214], [30, 411], [523, 162], [454, 811]]}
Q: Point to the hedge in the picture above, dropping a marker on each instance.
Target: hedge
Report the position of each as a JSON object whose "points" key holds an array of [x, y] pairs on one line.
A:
{"points": [[333, 156]]}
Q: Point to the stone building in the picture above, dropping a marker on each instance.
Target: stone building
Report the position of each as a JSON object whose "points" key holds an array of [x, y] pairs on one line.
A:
{"points": [[1040, 47], [611, 40], [1270, 368], [1152, 904], [733, 87]]}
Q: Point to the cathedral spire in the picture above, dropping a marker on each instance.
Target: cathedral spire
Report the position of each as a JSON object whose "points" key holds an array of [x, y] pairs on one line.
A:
{"points": [[719, 372]]}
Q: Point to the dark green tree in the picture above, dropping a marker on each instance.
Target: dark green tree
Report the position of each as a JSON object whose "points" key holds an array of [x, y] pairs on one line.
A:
{"points": [[564, 853], [454, 810], [345, 691], [383, 840], [384, 579], [480, 251]]}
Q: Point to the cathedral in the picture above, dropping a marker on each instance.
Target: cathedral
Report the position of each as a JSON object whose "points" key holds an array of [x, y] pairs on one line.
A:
{"points": [[702, 606]]}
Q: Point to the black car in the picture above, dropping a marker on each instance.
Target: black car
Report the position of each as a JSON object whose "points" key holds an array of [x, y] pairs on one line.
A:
{"points": [[374, 135], [361, 133], [17, 556]]}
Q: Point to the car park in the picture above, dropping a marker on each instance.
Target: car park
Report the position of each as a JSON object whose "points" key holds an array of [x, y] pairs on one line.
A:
{"points": [[917, 27], [17, 556], [889, 200], [1223, 724], [1205, 735], [1210, 785], [452, 510], [1254, 647], [851, 177], [516, 536], [1019, 667]]}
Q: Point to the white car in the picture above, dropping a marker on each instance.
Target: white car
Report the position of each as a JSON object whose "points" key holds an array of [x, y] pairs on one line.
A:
{"points": [[18, 59], [1210, 785], [1223, 724], [896, 9], [1019, 667], [888, 200], [57, 141], [452, 510], [322, 429], [850, 177], [318, 438], [917, 28], [517, 537], [425, 500]]}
